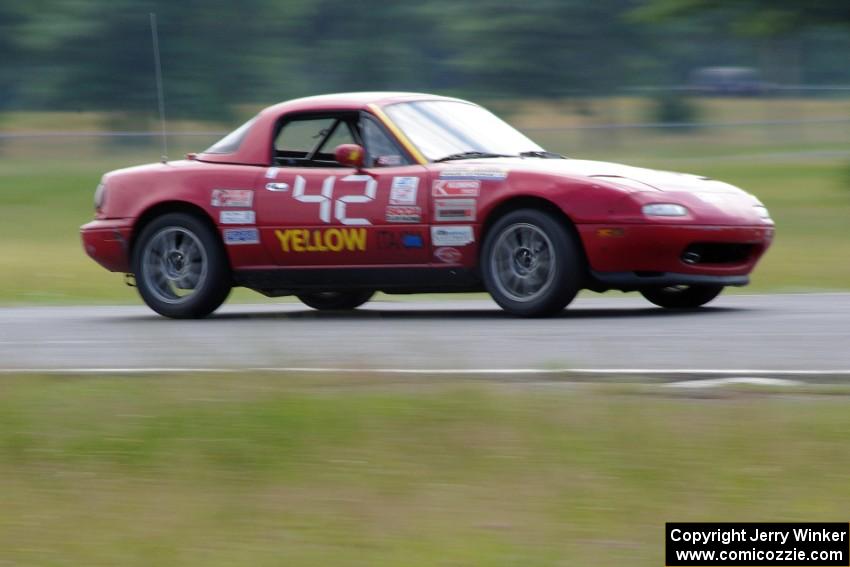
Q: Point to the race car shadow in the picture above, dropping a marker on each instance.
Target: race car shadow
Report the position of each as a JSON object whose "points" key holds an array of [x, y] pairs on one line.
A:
{"points": [[368, 313]]}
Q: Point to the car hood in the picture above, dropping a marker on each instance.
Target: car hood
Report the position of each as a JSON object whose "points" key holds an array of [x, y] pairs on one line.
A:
{"points": [[636, 178]]}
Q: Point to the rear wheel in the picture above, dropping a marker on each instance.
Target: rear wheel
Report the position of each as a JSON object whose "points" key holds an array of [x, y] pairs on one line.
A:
{"points": [[336, 300], [531, 264], [682, 296], [180, 267]]}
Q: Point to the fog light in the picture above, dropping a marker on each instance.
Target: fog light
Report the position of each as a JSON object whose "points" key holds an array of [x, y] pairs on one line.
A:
{"points": [[691, 258]]}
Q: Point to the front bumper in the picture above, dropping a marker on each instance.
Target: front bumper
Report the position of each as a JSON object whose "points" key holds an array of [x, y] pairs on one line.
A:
{"points": [[107, 243], [655, 254]]}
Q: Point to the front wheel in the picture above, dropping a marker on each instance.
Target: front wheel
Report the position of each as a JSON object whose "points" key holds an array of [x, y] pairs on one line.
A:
{"points": [[682, 296], [180, 267], [531, 264], [336, 300]]}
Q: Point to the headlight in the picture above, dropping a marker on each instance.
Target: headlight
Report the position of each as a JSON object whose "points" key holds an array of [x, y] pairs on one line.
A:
{"points": [[99, 195], [762, 211], [664, 210]]}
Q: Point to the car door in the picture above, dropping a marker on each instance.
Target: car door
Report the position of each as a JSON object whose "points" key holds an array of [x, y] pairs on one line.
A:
{"points": [[402, 215], [313, 212]]}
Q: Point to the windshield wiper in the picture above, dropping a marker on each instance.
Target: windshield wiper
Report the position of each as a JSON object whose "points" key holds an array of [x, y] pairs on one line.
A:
{"points": [[470, 155], [542, 154]]}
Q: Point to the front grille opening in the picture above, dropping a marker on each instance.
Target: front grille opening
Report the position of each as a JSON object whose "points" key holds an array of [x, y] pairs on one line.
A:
{"points": [[717, 253]]}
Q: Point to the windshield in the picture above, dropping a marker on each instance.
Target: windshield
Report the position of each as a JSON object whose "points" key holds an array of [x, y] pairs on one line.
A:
{"points": [[232, 141], [441, 128]]}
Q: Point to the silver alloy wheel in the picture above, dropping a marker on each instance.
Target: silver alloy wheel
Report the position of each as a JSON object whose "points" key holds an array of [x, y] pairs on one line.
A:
{"points": [[174, 264], [522, 262]]}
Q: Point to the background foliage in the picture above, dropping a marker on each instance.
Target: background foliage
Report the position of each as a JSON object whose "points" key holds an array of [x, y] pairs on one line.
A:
{"points": [[96, 54]]}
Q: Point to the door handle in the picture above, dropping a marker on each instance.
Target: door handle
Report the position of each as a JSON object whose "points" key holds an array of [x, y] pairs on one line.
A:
{"points": [[277, 186]]}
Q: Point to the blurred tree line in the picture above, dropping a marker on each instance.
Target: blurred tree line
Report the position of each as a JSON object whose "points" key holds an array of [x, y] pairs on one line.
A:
{"points": [[96, 54]]}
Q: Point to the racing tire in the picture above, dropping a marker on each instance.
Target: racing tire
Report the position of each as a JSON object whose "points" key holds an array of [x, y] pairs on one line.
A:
{"points": [[180, 267], [335, 300], [682, 297], [531, 263]]}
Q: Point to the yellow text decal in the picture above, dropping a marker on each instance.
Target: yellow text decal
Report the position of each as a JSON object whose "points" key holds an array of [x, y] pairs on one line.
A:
{"points": [[322, 240]]}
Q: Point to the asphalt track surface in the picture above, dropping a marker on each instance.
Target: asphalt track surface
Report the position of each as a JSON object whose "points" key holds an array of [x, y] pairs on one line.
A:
{"points": [[736, 334]]}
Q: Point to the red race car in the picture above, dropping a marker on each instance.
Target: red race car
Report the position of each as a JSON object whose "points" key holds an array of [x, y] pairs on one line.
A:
{"points": [[332, 198]]}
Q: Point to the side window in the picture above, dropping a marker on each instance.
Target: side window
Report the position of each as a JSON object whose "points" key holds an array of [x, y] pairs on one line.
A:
{"points": [[380, 148], [311, 141], [298, 137], [340, 135]]}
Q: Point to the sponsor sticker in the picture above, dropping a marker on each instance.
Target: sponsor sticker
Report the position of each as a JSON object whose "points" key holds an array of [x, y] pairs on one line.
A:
{"points": [[459, 188], [237, 217], [233, 236], [452, 235], [395, 240], [398, 213], [403, 190], [322, 240], [484, 173], [232, 198], [448, 255], [272, 172], [454, 210], [412, 240]]}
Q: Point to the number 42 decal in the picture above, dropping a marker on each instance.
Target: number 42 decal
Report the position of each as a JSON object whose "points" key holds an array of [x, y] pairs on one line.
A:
{"points": [[325, 198]]}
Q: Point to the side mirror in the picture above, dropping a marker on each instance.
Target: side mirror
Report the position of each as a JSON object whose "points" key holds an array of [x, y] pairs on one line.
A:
{"points": [[349, 154]]}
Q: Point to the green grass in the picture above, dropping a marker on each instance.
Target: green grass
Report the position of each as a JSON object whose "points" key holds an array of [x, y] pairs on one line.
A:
{"points": [[279, 470], [46, 189]]}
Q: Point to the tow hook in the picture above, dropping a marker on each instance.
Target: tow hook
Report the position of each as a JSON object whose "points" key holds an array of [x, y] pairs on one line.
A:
{"points": [[130, 280]]}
